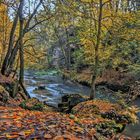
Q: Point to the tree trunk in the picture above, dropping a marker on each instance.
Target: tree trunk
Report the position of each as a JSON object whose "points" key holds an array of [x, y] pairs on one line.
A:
{"points": [[93, 88], [68, 59], [10, 46], [13, 55], [21, 53]]}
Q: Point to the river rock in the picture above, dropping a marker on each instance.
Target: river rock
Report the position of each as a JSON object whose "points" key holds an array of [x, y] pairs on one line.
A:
{"points": [[41, 87], [69, 101]]}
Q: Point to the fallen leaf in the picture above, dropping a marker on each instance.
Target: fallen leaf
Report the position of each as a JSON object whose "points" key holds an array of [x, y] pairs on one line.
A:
{"points": [[11, 136], [59, 138], [47, 136]]}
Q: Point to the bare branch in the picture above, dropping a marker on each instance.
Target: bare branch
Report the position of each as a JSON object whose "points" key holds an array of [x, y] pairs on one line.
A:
{"points": [[32, 15]]}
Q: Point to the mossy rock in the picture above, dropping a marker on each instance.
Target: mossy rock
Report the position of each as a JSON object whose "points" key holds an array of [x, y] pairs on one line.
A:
{"points": [[33, 104], [110, 126], [119, 118], [107, 118]]}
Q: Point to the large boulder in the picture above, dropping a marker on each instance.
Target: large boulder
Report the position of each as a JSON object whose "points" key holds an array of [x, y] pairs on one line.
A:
{"points": [[69, 101], [106, 118]]}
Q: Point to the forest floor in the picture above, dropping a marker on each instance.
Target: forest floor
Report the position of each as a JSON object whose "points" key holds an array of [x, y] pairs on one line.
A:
{"points": [[19, 124]]}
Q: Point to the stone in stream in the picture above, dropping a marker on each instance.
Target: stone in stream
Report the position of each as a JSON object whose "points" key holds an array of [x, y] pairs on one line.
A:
{"points": [[69, 101], [41, 87]]}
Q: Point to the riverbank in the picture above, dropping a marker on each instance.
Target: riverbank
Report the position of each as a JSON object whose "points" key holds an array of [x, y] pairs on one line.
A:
{"points": [[115, 80]]}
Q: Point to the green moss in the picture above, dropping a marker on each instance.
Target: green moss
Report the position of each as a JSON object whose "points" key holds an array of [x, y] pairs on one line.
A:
{"points": [[23, 105], [37, 106], [48, 72], [111, 126]]}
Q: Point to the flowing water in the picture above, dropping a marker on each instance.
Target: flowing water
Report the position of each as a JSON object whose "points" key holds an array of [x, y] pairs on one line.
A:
{"points": [[56, 87]]}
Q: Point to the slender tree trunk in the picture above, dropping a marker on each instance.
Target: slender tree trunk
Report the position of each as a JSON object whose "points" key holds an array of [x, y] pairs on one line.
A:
{"points": [[68, 58], [21, 53], [13, 55], [93, 88], [10, 46], [21, 75], [117, 6]]}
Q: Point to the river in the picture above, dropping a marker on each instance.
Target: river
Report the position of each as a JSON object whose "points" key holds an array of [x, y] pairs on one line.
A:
{"points": [[56, 87]]}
